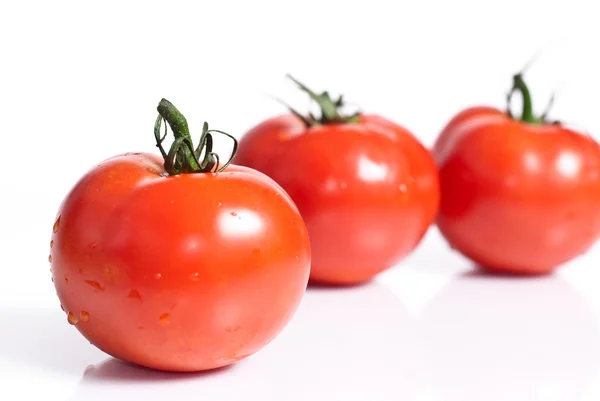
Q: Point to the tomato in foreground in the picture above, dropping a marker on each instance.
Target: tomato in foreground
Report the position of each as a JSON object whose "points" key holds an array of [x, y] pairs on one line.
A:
{"points": [[519, 195], [173, 266], [367, 189]]}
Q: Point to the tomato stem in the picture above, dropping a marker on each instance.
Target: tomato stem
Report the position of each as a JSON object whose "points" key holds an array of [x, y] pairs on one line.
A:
{"points": [[519, 84], [182, 158], [330, 108], [180, 129], [527, 114]]}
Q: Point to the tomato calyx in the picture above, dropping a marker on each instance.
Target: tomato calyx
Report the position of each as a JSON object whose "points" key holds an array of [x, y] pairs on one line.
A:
{"points": [[331, 109], [527, 114], [182, 158]]}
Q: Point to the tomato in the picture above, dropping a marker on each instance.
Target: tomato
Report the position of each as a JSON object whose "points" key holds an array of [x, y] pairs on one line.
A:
{"points": [[365, 187], [460, 124], [178, 271], [519, 195]]}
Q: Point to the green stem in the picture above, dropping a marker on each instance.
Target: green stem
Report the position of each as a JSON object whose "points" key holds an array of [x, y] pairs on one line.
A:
{"points": [[182, 158], [330, 108], [180, 129], [527, 113]]}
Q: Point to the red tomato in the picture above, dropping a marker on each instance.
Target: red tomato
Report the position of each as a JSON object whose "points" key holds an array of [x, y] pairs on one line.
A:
{"points": [[366, 188], [460, 124], [179, 272], [518, 195]]}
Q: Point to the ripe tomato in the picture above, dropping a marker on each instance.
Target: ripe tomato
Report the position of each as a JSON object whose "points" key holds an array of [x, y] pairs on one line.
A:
{"points": [[460, 124], [366, 188], [518, 195], [179, 272]]}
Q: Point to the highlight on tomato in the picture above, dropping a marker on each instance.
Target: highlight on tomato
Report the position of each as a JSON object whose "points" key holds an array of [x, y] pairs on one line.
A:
{"points": [[520, 194], [367, 189], [178, 262]]}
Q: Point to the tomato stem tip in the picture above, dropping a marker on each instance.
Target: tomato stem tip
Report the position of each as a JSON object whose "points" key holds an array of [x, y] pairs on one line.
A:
{"points": [[527, 113], [330, 108]]}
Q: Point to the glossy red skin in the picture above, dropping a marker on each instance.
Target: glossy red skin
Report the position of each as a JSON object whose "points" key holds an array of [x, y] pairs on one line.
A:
{"points": [[367, 191], [518, 198], [458, 125], [179, 273]]}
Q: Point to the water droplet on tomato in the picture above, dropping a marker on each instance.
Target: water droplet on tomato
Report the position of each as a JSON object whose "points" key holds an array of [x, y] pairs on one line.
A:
{"points": [[165, 319], [50, 258], [72, 319], [233, 213], [51, 243], [402, 187], [84, 316], [158, 276], [135, 294], [66, 280], [297, 257], [220, 204], [56, 225], [194, 276], [95, 285]]}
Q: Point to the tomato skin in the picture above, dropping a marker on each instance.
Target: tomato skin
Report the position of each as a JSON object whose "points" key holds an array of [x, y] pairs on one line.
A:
{"points": [[518, 198], [181, 273], [367, 191], [459, 124]]}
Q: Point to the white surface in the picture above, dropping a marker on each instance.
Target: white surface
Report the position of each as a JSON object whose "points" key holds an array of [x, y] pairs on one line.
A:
{"points": [[429, 331], [89, 75]]}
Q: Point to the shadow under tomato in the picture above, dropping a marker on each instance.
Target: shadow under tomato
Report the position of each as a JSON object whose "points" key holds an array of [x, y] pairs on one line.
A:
{"points": [[490, 337], [482, 271], [321, 286], [114, 370], [42, 338]]}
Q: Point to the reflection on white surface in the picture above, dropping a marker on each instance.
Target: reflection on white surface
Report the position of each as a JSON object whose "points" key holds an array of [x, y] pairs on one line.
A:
{"points": [[41, 352], [41, 338], [344, 344], [498, 339]]}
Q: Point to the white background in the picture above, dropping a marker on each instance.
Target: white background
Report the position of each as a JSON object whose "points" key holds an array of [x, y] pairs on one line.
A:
{"points": [[80, 81]]}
